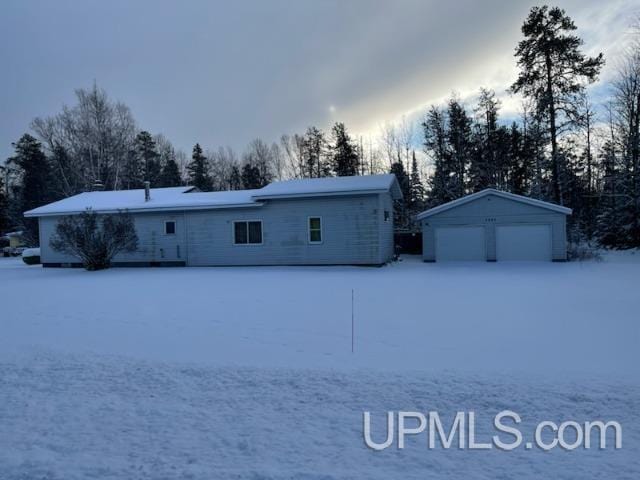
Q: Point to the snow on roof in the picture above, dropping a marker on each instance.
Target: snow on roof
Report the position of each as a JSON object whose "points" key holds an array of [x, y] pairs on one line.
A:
{"points": [[173, 198], [183, 198], [499, 193], [330, 186]]}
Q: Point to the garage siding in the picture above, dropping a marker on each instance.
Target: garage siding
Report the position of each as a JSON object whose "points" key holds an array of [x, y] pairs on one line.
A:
{"points": [[490, 211]]}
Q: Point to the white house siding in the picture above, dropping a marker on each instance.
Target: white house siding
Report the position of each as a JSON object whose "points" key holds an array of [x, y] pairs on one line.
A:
{"points": [[386, 228], [353, 232], [490, 211], [350, 233], [153, 245]]}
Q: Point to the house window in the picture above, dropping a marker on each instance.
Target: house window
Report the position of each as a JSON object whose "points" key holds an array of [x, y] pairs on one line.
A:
{"points": [[315, 230], [387, 215], [247, 233], [170, 228]]}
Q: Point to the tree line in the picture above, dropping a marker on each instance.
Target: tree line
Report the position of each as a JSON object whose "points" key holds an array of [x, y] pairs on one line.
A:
{"points": [[565, 147]]}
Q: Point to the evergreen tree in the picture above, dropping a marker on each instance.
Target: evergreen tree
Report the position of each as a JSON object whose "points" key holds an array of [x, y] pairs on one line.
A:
{"points": [[34, 188], [489, 163], [609, 223], [460, 145], [552, 74], [170, 174], [345, 159], [251, 177], [4, 204], [520, 171], [482, 172], [132, 175], [625, 132], [402, 219], [148, 158], [535, 140], [415, 203], [314, 154], [436, 146], [198, 170], [61, 165], [235, 178]]}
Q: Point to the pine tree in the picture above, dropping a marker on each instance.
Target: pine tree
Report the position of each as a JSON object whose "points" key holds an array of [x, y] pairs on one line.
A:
{"points": [[401, 213], [314, 154], [552, 74], [4, 204], [170, 174], [235, 178], [132, 175], [345, 159], [198, 170], [416, 189], [34, 189], [460, 146], [520, 170], [485, 169], [608, 224], [251, 177], [626, 133], [437, 147], [148, 158]]}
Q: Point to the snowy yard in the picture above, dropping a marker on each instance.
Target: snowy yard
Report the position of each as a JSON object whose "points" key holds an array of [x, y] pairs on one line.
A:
{"points": [[248, 372]]}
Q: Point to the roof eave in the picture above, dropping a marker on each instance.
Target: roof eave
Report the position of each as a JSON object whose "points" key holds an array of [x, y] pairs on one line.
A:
{"points": [[319, 194], [30, 214], [490, 191]]}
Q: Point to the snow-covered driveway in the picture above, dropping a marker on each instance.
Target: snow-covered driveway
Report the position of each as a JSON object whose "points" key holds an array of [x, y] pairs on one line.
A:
{"points": [[248, 372]]}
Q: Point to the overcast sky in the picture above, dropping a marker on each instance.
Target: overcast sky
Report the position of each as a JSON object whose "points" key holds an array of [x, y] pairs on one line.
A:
{"points": [[225, 72]]}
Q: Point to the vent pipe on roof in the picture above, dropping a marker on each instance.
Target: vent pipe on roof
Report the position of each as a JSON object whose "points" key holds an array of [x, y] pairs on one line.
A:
{"points": [[147, 191]]}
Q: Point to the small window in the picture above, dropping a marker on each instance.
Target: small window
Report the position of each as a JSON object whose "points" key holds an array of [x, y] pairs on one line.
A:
{"points": [[245, 233], [315, 230], [387, 215], [170, 228]]}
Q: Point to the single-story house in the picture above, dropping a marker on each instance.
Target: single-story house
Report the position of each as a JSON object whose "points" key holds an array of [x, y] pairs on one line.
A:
{"points": [[323, 221], [492, 225]]}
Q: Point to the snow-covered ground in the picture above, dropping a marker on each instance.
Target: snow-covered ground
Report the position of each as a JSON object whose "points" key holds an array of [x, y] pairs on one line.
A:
{"points": [[248, 372]]}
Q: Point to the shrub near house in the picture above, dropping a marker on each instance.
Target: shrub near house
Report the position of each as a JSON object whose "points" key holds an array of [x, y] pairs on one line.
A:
{"points": [[95, 239]]}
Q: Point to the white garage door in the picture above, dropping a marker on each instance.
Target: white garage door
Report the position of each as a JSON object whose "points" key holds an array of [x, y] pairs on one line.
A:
{"points": [[523, 243], [460, 244]]}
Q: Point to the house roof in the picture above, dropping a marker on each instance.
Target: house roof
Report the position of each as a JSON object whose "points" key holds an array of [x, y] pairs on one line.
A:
{"points": [[162, 199], [185, 198], [330, 186], [491, 191]]}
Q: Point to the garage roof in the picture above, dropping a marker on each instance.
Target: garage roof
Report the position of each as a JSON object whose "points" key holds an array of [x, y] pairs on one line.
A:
{"points": [[499, 193]]}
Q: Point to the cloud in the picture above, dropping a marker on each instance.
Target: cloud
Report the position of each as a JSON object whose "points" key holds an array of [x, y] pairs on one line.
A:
{"points": [[223, 73]]}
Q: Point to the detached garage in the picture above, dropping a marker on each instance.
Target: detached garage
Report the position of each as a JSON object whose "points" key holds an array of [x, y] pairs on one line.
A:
{"points": [[494, 226]]}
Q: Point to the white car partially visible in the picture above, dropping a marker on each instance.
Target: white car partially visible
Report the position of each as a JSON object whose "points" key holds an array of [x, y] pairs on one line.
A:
{"points": [[31, 256]]}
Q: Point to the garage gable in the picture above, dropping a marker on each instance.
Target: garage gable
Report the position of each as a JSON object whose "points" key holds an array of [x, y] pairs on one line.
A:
{"points": [[491, 202]]}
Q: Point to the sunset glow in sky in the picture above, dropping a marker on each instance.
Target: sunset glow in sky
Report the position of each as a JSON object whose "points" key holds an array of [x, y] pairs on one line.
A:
{"points": [[224, 73]]}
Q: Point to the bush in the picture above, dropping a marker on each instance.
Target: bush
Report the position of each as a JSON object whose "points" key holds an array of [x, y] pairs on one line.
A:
{"points": [[95, 239], [581, 251]]}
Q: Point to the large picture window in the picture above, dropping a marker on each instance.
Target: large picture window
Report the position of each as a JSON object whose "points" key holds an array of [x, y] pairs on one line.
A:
{"points": [[247, 233], [315, 230]]}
